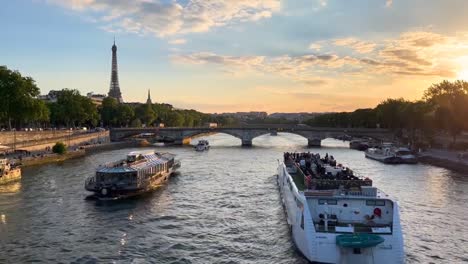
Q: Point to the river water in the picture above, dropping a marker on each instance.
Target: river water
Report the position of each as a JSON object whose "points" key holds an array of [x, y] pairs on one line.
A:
{"points": [[223, 207]]}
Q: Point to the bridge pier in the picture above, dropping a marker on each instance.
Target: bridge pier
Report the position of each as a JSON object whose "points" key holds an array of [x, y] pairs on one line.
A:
{"points": [[314, 142], [246, 142]]}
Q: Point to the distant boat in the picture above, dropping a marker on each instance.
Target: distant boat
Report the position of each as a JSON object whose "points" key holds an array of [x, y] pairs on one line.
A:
{"points": [[406, 155], [202, 145], [389, 154], [359, 144], [140, 172], [8, 172]]}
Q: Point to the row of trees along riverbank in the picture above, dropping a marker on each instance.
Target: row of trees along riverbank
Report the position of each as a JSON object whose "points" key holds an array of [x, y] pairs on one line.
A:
{"points": [[20, 107], [443, 108]]}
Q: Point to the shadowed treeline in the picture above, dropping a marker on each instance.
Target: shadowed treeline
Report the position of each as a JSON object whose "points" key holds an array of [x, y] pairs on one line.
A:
{"points": [[444, 107]]}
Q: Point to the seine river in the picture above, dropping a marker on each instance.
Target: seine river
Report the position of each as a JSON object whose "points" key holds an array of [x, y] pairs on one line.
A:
{"points": [[223, 207]]}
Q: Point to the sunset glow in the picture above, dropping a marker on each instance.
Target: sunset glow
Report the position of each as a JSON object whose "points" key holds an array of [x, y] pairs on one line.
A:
{"points": [[265, 55]]}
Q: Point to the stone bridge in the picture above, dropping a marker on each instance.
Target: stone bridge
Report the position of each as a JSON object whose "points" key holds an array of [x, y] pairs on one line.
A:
{"points": [[314, 135]]}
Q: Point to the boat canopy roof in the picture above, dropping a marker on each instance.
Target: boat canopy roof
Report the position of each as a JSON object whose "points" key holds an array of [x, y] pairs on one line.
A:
{"points": [[143, 153], [119, 169], [149, 163]]}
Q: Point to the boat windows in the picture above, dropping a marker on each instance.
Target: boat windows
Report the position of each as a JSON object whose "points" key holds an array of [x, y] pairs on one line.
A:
{"points": [[375, 203], [328, 201]]}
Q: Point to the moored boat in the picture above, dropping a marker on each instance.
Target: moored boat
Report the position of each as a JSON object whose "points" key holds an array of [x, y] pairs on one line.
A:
{"points": [[389, 154], [202, 145], [406, 155], [140, 172], [9, 172], [359, 144], [335, 216]]}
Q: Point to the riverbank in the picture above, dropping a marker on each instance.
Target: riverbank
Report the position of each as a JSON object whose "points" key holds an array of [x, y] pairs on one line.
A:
{"points": [[82, 151], [451, 160]]}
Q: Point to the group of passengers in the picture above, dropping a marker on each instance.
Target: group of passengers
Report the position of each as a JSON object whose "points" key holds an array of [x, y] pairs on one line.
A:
{"points": [[315, 167]]}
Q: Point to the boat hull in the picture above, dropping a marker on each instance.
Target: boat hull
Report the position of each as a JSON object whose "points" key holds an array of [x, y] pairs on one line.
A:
{"points": [[201, 148], [319, 247], [385, 159], [12, 176]]}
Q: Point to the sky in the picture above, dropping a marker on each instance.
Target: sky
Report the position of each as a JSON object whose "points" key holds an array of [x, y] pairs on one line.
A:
{"points": [[240, 55]]}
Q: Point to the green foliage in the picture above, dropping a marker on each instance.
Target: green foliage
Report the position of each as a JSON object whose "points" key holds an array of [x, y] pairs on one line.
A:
{"points": [[59, 148], [17, 98], [136, 123], [109, 111], [73, 109], [450, 100]]}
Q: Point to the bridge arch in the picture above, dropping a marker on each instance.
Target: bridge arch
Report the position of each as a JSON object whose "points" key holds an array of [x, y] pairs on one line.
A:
{"points": [[246, 134]]}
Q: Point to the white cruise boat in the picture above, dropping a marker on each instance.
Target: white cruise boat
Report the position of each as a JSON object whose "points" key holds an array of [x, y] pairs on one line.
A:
{"points": [[406, 155], [202, 145], [389, 154], [336, 217]]}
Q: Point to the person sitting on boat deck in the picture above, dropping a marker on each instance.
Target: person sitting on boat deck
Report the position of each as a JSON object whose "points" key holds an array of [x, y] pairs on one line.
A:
{"points": [[302, 163], [308, 181]]}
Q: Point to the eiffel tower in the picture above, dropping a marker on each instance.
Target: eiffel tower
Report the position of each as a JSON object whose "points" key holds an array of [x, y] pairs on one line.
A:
{"points": [[114, 90]]}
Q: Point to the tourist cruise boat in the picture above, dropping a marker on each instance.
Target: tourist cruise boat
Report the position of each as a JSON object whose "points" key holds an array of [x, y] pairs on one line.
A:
{"points": [[202, 145], [389, 154], [140, 172], [336, 217], [8, 173]]}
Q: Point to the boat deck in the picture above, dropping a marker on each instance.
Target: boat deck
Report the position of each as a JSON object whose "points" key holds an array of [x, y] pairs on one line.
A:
{"points": [[298, 178], [352, 228]]}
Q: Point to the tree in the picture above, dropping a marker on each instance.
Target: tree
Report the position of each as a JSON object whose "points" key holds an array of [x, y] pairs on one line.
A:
{"points": [[175, 119], [450, 101], [125, 114], [73, 109], [17, 96], [108, 111], [146, 113], [59, 148], [136, 123], [390, 113]]}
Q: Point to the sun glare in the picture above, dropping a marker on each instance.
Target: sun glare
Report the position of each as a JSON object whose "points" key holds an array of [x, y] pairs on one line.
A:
{"points": [[463, 75]]}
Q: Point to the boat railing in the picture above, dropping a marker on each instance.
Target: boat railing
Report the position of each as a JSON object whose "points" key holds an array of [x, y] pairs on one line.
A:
{"points": [[90, 181], [337, 192]]}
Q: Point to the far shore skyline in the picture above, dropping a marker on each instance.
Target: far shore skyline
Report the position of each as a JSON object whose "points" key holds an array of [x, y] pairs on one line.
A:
{"points": [[240, 56]]}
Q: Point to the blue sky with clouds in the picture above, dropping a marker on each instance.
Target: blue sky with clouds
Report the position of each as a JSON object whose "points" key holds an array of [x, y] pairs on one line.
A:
{"points": [[215, 56]]}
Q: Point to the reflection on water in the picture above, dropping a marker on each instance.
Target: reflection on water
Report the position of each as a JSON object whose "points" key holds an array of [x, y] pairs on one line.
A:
{"points": [[223, 207], [10, 187]]}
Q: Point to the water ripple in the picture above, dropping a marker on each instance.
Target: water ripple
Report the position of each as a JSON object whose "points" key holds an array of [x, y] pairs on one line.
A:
{"points": [[223, 207]]}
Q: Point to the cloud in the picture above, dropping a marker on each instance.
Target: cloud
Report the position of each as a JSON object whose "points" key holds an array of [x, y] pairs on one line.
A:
{"points": [[416, 53], [177, 41], [355, 44], [315, 46], [165, 18]]}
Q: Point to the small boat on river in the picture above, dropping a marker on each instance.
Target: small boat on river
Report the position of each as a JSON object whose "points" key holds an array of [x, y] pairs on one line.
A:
{"points": [[389, 154], [139, 173], [9, 172], [202, 145], [359, 144], [335, 216]]}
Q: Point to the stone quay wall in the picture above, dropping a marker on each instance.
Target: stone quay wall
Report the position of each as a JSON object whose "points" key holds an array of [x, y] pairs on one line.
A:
{"points": [[39, 140]]}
